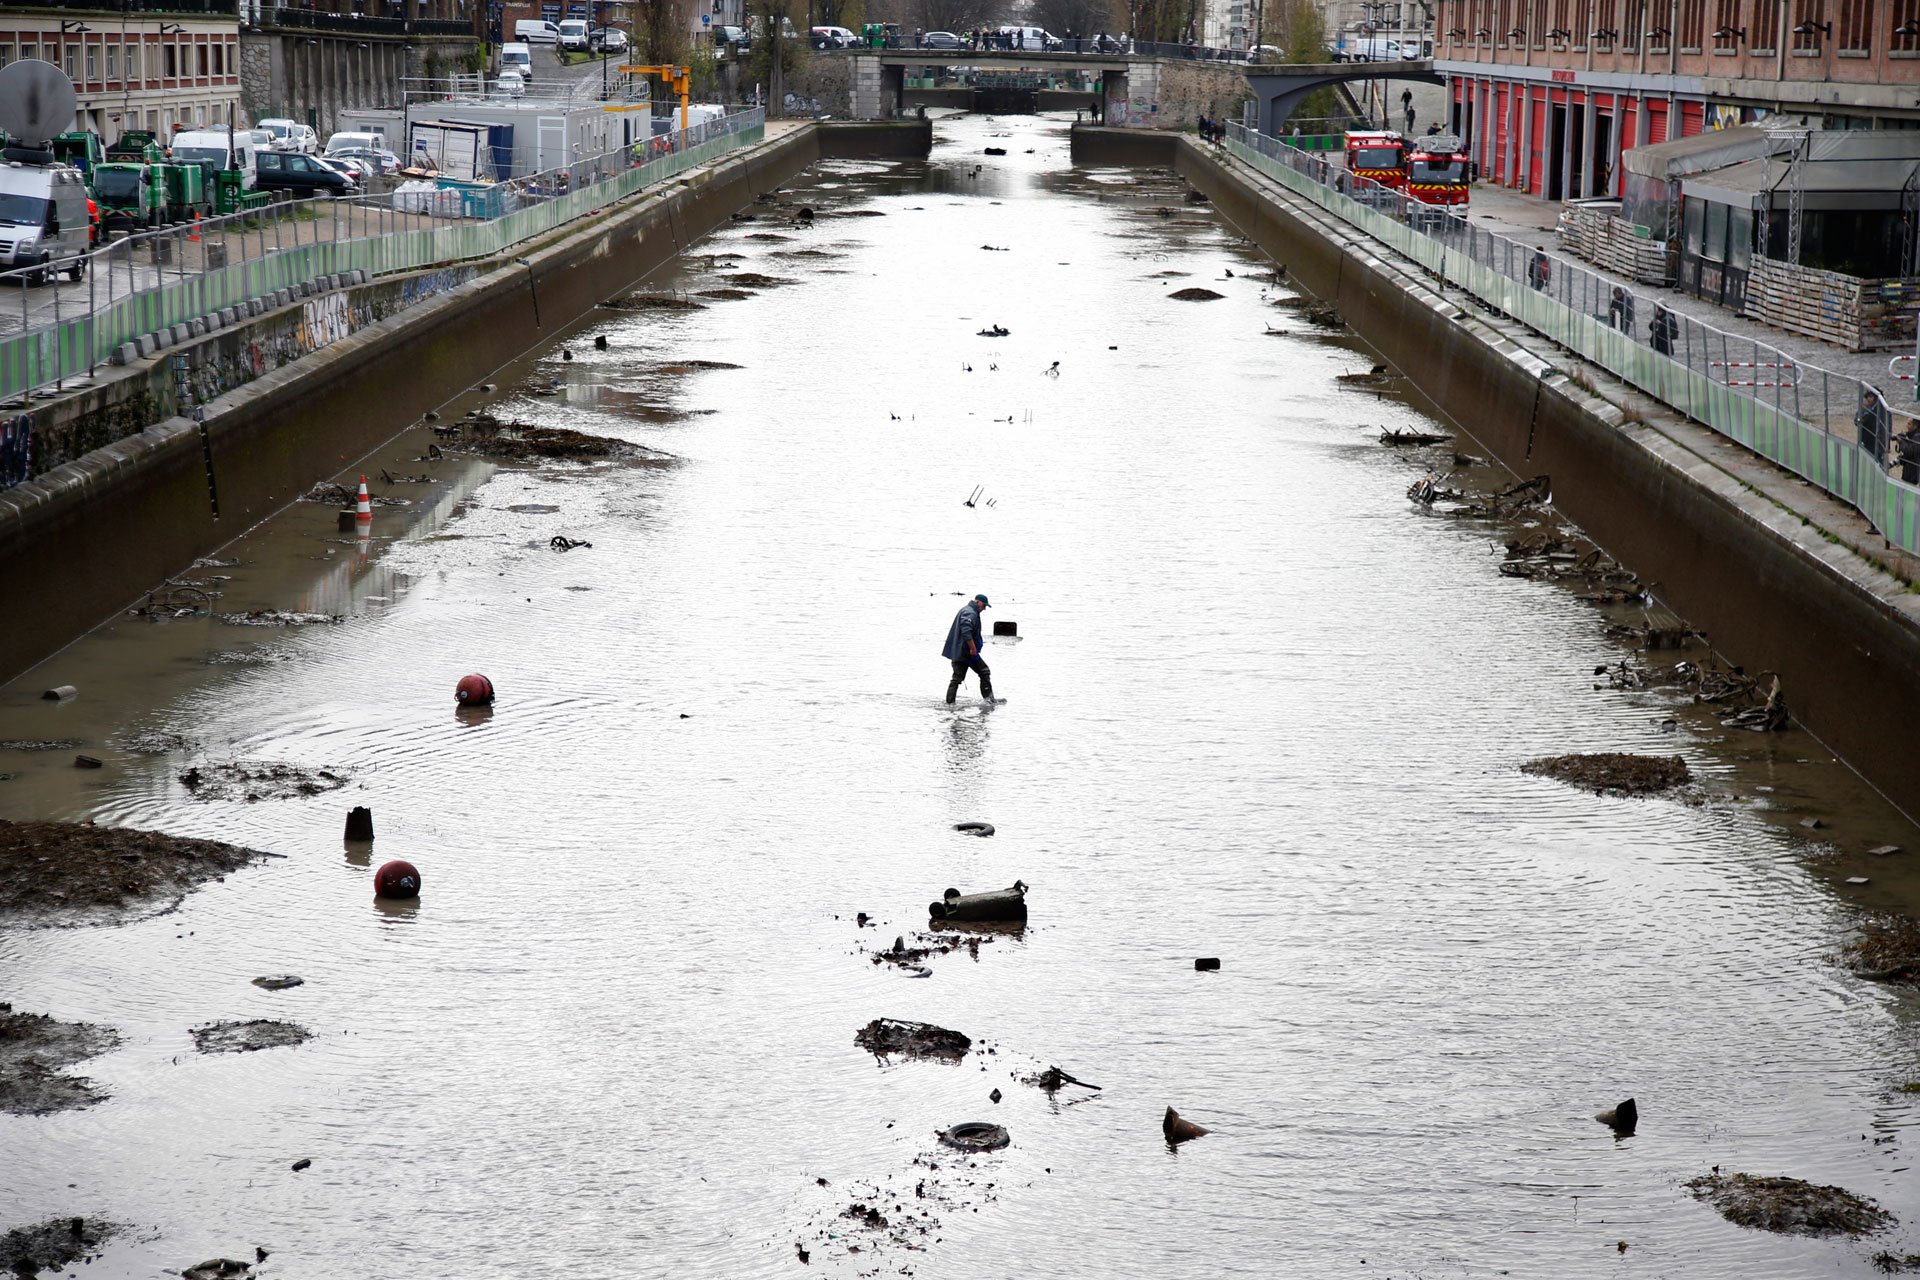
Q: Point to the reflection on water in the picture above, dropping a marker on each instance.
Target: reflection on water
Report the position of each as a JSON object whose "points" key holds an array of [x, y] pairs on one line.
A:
{"points": [[1259, 711]]}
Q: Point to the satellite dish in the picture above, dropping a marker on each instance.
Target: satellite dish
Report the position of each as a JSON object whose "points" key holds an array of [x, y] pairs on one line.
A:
{"points": [[36, 102]]}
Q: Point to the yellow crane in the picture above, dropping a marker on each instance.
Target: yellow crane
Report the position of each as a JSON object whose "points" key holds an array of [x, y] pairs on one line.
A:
{"points": [[675, 79]]}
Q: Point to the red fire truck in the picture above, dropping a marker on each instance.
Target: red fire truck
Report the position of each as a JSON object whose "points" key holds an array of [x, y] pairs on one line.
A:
{"points": [[1378, 154], [1437, 170]]}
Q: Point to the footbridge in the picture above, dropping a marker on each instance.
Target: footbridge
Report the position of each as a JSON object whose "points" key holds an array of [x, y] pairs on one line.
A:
{"points": [[1279, 88], [1125, 82]]}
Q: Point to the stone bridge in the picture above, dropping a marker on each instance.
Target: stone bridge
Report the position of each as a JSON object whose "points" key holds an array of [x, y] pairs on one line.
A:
{"points": [[1279, 88], [1133, 89]]}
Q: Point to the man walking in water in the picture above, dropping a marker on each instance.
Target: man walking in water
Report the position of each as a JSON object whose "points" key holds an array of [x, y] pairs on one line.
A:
{"points": [[963, 649]]}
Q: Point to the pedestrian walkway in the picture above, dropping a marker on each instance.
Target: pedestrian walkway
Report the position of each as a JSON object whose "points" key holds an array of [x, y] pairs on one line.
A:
{"points": [[1827, 427], [1533, 221]]}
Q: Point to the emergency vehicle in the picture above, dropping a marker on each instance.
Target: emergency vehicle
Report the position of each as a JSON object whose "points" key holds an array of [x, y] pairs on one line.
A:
{"points": [[1437, 170], [1378, 154]]}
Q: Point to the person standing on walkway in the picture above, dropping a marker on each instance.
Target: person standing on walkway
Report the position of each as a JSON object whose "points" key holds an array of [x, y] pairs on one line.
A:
{"points": [[1663, 330], [1872, 424], [1406, 105], [963, 649], [1620, 310], [1540, 270]]}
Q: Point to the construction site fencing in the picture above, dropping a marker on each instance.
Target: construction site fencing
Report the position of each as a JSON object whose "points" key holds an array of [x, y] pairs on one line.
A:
{"points": [[156, 280], [1835, 431]]}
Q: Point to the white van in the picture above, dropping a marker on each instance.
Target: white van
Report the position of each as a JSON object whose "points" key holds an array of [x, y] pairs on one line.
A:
{"points": [[573, 35], [355, 141], [1375, 49], [1035, 38], [536, 31], [210, 148], [43, 220], [517, 57]]}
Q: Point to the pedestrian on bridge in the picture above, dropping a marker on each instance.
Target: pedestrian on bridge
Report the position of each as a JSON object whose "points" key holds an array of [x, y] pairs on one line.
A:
{"points": [[964, 639]]}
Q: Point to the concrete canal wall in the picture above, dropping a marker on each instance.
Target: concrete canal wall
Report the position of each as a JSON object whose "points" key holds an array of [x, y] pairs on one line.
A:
{"points": [[91, 537], [1771, 584]]}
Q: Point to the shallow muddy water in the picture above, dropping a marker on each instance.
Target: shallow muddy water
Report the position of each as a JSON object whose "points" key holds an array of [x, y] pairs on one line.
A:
{"points": [[1260, 709]]}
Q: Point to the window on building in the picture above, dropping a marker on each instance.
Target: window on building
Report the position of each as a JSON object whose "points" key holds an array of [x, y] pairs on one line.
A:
{"points": [[200, 59], [1582, 22], [113, 62], [1726, 19], [29, 52], [219, 59], [1503, 22], [6, 54], [1807, 14], [1537, 24], [93, 62], [1764, 36], [170, 61], [73, 62], [133, 62], [1855, 28], [1906, 27], [1693, 14], [1560, 19], [1604, 20]]}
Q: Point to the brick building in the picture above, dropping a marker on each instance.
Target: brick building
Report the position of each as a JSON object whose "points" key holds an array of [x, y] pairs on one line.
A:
{"points": [[133, 68], [1550, 92]]}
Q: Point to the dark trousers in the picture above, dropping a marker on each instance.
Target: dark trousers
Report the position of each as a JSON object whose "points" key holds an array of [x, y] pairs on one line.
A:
{"points": [[960, 667]]}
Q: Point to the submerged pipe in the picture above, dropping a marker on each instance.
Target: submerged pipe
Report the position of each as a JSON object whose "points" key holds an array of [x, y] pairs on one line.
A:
{"points": [[995, 904]]}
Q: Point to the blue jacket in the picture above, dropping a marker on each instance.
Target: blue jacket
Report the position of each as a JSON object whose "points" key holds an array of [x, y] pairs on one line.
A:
{"points": [[966, 626]]}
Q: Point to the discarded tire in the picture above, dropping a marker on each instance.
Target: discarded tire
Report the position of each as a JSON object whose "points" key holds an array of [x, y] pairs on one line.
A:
{"points": [[974, 828], [474, 691], [396, 879], [995, 904], [1006, 627], [1206, 964], [975, 1135]]}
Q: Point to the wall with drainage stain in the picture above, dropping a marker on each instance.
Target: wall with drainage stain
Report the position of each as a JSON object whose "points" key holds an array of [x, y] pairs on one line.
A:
{"points": [[1769, 589]]}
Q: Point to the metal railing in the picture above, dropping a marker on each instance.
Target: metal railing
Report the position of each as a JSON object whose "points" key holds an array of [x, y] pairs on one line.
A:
{"points": [[360, 24], [1835, 431], [990, 42], [160, 279]]}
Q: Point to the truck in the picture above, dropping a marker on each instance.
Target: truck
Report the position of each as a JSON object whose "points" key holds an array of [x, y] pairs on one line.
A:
{"points": [[80, 148], [131, 194], [187, 190], [43, 217], [1437, 170], [1379, 154], [138, 145]]}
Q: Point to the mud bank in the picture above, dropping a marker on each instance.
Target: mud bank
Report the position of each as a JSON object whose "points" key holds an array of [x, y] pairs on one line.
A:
{"points": [[65, 873], [125, 516], [1668, 497]]}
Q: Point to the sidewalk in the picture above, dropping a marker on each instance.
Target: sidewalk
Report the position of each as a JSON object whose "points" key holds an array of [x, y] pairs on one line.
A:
{"points": [[1523, 217]]}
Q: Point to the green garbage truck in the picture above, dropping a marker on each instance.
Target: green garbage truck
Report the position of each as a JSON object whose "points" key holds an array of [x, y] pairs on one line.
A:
{"points": [[132, 196]]}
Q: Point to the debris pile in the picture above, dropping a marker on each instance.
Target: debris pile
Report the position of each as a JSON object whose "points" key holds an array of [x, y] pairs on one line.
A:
{"points": [[1195, 293], [279, 618], [1788, 1205], [911, 952], [653, 302], [1887, 950], [33, 1049], [896, 1038], [63, 866], [248, 1037], [1613, 772], [1397, 435], [489, 437], [52, 1246], [259, 780]]}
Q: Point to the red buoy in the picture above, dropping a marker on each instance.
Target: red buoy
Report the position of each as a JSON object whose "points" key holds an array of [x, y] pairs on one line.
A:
{"points": [[396, 879], [474, 691]]}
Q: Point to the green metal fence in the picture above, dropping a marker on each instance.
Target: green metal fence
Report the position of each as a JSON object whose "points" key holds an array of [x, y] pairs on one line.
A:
{"points": [[195, 271]]}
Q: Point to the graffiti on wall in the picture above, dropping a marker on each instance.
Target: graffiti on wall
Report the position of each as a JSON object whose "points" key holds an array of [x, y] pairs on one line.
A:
{"points": [[325, 319]]}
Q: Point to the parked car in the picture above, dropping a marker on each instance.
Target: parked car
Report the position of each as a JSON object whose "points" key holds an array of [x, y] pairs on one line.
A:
{"points": [[517, 57], [1375, 49], [941, 40], [607, 40], [731, 42], [352, 170], [831, 38], [535, 31], [1034, 38], [383, 160], [573, 35], [301, 174], [510, 85], [290, 135]]}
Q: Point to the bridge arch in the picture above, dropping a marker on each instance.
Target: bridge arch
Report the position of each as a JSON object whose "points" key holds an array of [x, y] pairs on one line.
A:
{"points": [[1281, 88]]}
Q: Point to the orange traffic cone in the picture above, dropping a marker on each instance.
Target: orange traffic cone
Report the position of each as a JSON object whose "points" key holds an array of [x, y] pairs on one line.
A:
{"points": [[195, 233], [363, 511]]}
